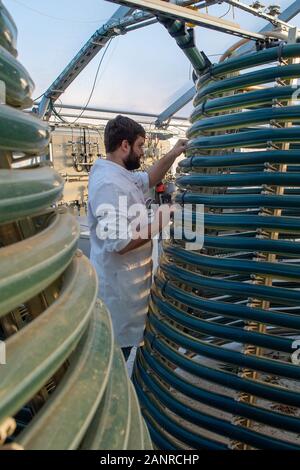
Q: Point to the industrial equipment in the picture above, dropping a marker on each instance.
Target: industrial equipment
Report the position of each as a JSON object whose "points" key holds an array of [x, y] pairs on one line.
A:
{"points": [[219, 367]]}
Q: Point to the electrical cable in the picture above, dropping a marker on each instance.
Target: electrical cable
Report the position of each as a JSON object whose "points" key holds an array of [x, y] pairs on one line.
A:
{"points": [[56, 113], [35, 99], [226, 13], [94, 84]]}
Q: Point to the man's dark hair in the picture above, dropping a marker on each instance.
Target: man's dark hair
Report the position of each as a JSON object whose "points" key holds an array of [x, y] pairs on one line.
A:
{"points": [[119, 129]]}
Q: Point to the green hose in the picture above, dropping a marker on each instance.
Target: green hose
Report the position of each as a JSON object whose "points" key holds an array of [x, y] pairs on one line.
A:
{"points": [[65, 385], [218, 355]]}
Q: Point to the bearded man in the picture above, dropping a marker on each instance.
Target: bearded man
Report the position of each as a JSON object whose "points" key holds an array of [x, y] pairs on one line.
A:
{"points": [[124, 262]]}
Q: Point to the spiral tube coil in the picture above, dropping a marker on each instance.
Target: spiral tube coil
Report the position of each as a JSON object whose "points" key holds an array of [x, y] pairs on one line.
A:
{"points": [[216, 370], [64, 381]]}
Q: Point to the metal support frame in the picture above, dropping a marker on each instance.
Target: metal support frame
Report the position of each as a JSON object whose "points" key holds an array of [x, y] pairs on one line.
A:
{"points": [[121, 22], [103, 119], [288, 14], [124, 20], [108, 110], [115, 26], [157, 7], [174, 107]]}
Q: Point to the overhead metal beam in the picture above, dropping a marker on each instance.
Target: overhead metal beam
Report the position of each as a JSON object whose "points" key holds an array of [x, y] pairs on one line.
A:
{"points": [[115, 111], [175, 107], [159, 7], [288, 14], [107, 118]]}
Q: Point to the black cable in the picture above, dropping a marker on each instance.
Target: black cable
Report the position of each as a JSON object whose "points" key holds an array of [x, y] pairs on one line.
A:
{"points": [[56, 113], [226, 12], [35, 99], [95, 81], [60, 102], [91, 94]]}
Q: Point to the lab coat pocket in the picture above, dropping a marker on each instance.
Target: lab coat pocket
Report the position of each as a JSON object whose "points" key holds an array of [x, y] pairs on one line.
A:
{"points": [[134, 283]]}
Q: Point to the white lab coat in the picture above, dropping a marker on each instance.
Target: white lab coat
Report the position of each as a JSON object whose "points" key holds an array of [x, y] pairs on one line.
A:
{"points": [[124, 280]]}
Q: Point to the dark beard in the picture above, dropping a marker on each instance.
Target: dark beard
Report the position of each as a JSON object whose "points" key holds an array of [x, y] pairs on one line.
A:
{"points": [[132, 162]]}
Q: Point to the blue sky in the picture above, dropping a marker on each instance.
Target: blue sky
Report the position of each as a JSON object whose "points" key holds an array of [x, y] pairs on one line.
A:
{"points": [[143, 70]]}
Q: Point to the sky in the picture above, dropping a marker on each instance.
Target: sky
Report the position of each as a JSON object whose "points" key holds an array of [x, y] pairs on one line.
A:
{"points": [[143, 70]]}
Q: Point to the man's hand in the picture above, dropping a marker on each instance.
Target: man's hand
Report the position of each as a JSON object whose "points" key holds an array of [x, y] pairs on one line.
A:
{"points": [[178, 148], [158, 171]]}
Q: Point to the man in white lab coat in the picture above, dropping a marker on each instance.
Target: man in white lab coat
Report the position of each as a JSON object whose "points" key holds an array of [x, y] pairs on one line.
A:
{"points": [[123, 261]]}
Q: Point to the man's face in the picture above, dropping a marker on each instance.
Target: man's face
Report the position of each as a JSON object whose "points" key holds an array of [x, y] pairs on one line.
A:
{"points": [[133, 160]]}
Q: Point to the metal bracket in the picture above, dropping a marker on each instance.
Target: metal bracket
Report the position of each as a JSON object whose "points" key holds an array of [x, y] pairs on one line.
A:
{"points": [[257, 12]]}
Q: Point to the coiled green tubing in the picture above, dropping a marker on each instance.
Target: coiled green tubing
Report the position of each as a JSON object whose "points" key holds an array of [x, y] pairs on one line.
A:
{"points": [[65, 385], [217, 369]]}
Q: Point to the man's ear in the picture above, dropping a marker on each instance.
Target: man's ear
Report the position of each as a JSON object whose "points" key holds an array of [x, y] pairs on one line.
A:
{"points": [[125, 146]]}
